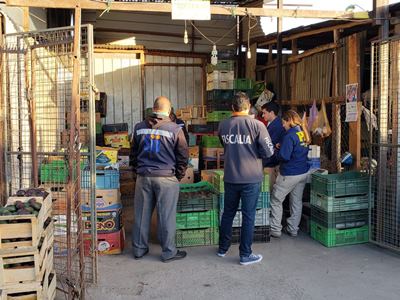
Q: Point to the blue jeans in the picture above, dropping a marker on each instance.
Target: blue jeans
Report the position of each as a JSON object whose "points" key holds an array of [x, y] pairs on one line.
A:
{"points": [[249, 194]]}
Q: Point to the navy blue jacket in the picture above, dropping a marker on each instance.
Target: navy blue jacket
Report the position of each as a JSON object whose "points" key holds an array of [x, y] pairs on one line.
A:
{"points": [[293, 153], [159, 148], [276, 132], [246, 142]]}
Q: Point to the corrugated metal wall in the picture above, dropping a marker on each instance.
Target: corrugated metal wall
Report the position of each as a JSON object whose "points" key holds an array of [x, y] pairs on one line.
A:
{"points": [[162, 32], [183, 85], [119, 76]]}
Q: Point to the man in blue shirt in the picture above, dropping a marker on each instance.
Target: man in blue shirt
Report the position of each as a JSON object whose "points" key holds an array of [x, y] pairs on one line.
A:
{"points": [[246, 142], [276, 131]]}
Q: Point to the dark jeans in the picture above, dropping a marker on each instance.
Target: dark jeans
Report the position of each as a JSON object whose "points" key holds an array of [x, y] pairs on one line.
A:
{"points": [[249, 194]]}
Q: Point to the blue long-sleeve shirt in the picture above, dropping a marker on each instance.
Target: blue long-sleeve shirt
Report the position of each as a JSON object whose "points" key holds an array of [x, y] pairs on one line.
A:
{"points": [[293, 152], [276, 132]]}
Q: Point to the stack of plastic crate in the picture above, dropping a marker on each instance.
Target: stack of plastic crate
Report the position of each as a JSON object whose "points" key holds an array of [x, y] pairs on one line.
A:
{"points": [[262, 226], [339, 208], [197, 215]]}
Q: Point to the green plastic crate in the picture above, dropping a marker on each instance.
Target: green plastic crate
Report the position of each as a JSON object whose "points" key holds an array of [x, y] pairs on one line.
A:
{"points": [[343, 184], [197, 237], [243, 84], [335, 237], [196, 220], [263, 201], [222, 65], [211, 141], [218, 115], [55, 171], [220, 96], [197, 197], [218, 182], [335, 204], [340, 220]]}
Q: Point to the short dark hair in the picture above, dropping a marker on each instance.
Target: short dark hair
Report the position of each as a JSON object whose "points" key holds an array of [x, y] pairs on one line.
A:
{"points": [[240, 102], [271, 106]]}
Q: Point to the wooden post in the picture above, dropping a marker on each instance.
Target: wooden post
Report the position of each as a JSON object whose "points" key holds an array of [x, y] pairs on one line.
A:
{"points": [[336, 122], [354, 77], [73, 187], [2, 125], [192, 38], [278, 88], [25, 21], [293, 75]]}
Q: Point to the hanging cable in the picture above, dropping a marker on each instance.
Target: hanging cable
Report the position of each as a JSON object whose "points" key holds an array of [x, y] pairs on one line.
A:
{"points": [[250, 27]]}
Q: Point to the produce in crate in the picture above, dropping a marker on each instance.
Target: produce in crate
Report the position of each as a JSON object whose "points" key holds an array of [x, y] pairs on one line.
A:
{"points": [[30, 207]]}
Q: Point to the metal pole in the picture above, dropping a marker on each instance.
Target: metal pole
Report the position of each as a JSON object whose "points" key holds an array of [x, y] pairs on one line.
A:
{"points": [[279, 53]]}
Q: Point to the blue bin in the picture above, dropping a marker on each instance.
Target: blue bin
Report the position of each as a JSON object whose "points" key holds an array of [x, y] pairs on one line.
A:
{"points": [[105, 179], [314, 163]]}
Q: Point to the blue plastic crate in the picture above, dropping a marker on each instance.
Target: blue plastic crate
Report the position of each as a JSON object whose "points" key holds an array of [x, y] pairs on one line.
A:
{"points": [[105, 179], [314, 163]]}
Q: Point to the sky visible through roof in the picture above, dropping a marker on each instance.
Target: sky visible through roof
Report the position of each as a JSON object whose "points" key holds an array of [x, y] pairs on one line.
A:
{"points": [[269, 24]]}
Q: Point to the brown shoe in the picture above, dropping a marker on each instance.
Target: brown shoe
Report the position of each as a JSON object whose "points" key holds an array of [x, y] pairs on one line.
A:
{"points": [[179, 255]]}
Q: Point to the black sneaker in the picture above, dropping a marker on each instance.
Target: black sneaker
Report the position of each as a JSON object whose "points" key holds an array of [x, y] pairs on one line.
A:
{"points": [[140, 256], [288, 232], [179, 255]]}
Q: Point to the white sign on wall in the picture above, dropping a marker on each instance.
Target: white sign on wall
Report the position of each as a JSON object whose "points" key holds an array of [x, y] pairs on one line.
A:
{"points": [[191, 10]]}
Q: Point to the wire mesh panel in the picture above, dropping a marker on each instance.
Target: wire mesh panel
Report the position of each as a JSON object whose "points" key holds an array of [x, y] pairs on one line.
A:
{"points": [[40, 133], [385, 144]]}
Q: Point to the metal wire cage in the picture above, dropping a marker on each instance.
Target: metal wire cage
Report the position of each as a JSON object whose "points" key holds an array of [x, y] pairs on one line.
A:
{"points": [[385, 144], [37, 72]]}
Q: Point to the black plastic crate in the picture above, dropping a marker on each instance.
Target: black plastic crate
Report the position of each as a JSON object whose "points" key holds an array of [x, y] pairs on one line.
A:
{"points": [[201, 128], [220, 95], [340, 220], [115, 127], [262, 234], [214, 125], [101, 105], [213, 106]]}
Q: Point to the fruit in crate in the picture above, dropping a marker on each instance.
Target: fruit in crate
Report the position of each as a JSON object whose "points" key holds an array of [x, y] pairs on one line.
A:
{"points": [[31, 207], [32, 192]]}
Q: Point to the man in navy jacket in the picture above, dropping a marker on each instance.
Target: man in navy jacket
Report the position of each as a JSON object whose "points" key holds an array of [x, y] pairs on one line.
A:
{"points": [[276, 131], [159, 155], [246, 142]]}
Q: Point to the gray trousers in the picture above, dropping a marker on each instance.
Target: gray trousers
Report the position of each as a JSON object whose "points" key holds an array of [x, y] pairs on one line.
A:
{"points": [[282, 187], [151, 192]]}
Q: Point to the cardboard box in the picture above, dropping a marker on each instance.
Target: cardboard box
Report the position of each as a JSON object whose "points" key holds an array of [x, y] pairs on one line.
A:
{"points": [[189, 176], [105, 199], [111, 153], [194, 152], [107, 243], [107, 221], [84, 137], [123, 161], [117, 139]]}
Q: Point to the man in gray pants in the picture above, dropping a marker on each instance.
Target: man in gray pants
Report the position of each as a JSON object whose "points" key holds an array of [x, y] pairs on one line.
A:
{"points": [[159, 155]]}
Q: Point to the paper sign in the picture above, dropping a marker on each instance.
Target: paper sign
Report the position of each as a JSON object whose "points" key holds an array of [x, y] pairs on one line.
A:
{"points": [[191, 10], [351, 102]]}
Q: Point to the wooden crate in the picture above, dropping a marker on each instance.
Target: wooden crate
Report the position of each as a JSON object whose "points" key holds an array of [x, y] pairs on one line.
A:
{"points": [[28, 229], [37, 262], [34, 290], [194, 151]]}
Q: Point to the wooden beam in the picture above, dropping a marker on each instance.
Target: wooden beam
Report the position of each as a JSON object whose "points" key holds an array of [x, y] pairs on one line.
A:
{"points": [[354, 77], [293, 73], [295, 102], [336, 121], [268, 40], [167, 8], [113, 30], [313, 51], [3, 181]]}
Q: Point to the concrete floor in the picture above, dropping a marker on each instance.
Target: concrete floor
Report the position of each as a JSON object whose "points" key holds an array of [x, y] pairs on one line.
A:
{"points": [[292, 268]]}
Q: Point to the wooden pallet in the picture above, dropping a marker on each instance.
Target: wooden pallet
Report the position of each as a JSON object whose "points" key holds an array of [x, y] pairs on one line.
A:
{"points": [[25, 231], [41, 290]]}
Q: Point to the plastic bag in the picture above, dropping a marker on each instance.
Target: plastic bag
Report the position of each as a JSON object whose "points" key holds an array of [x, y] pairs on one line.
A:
{"points": [[321, 126], [313, 116], [265, 97]]}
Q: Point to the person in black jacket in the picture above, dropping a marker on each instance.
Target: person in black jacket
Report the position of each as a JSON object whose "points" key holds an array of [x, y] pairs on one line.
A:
{"points": [[180, 122], [160, 157]]}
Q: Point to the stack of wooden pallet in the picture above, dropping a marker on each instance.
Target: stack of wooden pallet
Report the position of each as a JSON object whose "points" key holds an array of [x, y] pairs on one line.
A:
{"points": [[26, 252]]}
